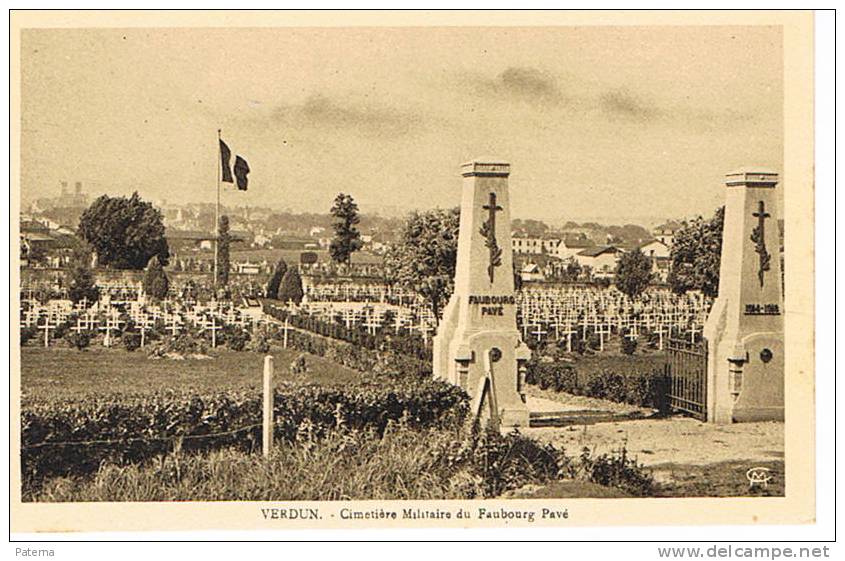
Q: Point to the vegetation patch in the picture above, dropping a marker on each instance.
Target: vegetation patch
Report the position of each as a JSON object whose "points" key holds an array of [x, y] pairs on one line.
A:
{"points": [[75, 437], [400, 462]]}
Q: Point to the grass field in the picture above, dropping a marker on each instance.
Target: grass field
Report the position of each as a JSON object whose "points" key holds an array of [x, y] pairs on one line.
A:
{"points": [[67, 373]]}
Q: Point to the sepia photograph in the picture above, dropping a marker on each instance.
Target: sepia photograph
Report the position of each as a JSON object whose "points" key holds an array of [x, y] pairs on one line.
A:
{"points": [[411, 269]]}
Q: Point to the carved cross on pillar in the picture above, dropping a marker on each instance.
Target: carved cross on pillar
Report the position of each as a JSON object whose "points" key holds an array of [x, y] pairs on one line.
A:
{"points": [[758, 236], [488, 230]]}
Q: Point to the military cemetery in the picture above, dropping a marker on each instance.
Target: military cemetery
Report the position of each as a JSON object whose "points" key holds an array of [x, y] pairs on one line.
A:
{"points": [[468, 347]]}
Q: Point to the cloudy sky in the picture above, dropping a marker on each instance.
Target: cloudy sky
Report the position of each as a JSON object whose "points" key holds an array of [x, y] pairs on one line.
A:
{"points": [[621, 124]]}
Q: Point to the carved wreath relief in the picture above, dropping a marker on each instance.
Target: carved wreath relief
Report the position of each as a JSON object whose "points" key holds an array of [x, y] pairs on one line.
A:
{"points": [[758, 236], [488, 231]]}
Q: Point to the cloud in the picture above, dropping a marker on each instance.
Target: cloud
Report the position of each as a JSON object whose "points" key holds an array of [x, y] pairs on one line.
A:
{"points": [[622, 103], [361, 116], [521, 83], [528, 82]]}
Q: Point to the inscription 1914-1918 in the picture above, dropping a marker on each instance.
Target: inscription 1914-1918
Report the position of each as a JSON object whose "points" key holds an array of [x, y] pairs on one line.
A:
{"points": [[762, 310]]}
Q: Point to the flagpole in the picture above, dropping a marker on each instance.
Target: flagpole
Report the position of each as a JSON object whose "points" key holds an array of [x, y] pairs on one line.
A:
{"points": [[214, 230]]}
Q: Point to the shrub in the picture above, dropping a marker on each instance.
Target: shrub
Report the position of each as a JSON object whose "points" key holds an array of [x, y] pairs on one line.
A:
{"points": [[78, 340], [510, 461], [131, 341], [259, 343], [185, 343], [235, 338], [299, 365], [27, 333], [60, 331], [628, 345], [617, 470]]}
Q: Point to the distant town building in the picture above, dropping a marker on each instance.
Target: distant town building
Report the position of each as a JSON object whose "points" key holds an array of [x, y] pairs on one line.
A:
{"points": [[601, 259], [531, 272], [535, 246], [656, 249], [248, 268], [666, 232], [572, 244], [186, 240]]}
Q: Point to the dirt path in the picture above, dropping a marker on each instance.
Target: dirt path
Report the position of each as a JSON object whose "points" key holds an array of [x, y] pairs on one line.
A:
{"points": [[672, 440]]}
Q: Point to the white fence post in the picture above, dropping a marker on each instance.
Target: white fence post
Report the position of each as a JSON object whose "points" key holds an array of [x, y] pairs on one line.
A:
{"points": [[287, 326], [267, 440]]}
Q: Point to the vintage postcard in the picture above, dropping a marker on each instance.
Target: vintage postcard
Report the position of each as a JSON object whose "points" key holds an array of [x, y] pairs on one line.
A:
{"points": [[285, 270]]}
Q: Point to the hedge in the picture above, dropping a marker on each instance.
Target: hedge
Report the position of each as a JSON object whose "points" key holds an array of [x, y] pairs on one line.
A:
{"points": [[391, 361], [75, 437], [406, 344], [644, 389]]}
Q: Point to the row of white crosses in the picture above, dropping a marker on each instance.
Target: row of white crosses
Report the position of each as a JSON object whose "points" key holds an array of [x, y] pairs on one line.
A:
{"points": [[108, 317], [372, 316], [352, 292], [542, 311]]}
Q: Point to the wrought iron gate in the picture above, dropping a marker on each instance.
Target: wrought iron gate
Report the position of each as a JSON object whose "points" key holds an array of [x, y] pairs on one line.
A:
{"points": [[687, 370]]}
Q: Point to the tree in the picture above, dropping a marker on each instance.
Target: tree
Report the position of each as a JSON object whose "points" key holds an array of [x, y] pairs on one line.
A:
{"points": [[125, 232], [80, 277], [290, 288], [696, 255], [573, 269], [276, 279], [224, 240], [633, 273], [347, 238], [155, 280], [424, 257], [34, 253]]}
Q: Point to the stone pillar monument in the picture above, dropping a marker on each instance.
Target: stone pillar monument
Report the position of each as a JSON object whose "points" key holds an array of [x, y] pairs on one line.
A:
{"points": [[478, 346], [745, 366]]}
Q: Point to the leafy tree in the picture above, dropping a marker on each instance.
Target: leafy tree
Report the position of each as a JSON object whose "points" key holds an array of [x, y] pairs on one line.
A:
{"points": [[155, 280], [573, 269], [424, 257], [633, 273], [125, 232], [529, 227], [36, 254], [276, 279], [517, 276], [224, 240], [290, 288], [347, 238], [80, 277], [696, 254]]}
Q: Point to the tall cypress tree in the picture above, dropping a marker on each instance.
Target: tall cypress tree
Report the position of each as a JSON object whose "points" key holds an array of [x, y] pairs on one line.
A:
{"points": [[291, 287], [276, 279], [81, 278], [155, 281], [347, 238]]}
